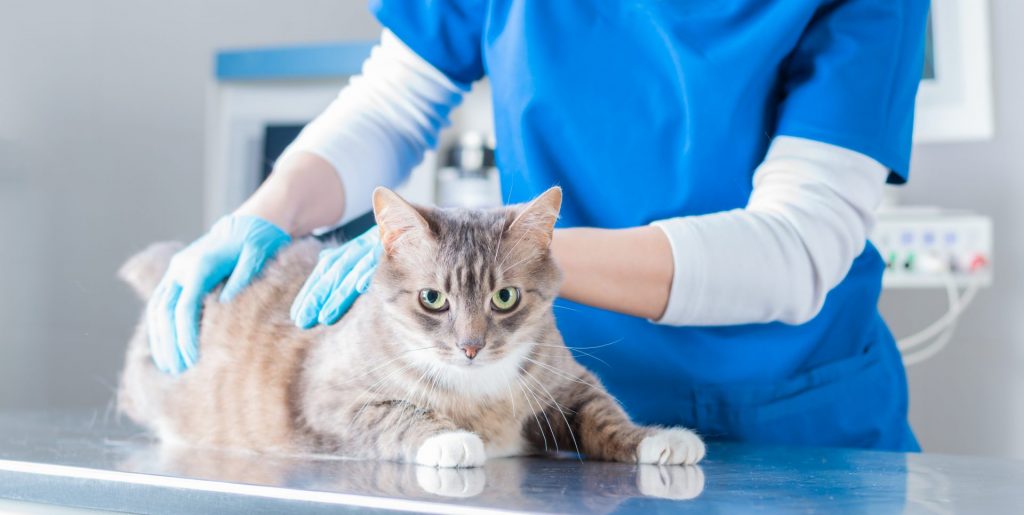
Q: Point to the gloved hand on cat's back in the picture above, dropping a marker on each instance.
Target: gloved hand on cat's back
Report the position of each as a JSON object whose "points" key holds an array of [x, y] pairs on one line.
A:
{"points": [[236, 248], [340, 276]]}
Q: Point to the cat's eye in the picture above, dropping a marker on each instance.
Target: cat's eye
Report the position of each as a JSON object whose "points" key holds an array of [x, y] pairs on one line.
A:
{"points": [[505, 299], [433, 300]]}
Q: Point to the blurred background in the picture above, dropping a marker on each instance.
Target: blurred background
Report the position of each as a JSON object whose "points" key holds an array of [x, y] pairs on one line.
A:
{"points": [[126, 122]]}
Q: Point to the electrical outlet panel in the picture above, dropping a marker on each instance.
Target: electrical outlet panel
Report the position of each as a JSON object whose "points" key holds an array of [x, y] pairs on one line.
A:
{"points": [[925, 247]]}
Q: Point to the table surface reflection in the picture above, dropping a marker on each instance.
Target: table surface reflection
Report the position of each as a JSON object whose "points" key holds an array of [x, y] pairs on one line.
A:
{"points": [[95, 461]]}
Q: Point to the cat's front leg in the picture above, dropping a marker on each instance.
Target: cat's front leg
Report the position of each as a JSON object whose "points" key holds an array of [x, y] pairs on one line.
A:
{"points": [[401, 431], [606, 432]]}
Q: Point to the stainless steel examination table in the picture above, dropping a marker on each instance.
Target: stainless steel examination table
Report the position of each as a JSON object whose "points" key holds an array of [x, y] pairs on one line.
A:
{"points": [[89, 460]]}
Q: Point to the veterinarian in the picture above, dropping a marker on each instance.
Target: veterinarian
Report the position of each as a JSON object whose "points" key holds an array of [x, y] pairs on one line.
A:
{"points": [[721, 164]]}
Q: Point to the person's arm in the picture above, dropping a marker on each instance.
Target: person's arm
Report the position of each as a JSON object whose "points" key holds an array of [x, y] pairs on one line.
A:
{"points": [[851, 82], [372, 134], [299, 196], [808, 217], [624, 270]]}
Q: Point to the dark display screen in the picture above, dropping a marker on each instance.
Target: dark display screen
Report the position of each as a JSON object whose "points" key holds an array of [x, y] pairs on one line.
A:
{"points": [[275, 139]]}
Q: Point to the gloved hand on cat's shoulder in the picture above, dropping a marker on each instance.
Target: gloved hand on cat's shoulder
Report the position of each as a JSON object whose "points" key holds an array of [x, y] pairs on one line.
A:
{"points": [[341, 275], [236, 248]]}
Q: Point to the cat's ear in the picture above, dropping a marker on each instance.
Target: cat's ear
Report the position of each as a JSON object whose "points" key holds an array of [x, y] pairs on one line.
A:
{"points": [[397, 219], [536, 220]]}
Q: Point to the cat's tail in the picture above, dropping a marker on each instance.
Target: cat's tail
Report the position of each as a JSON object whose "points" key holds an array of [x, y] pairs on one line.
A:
{"points": [[144, 270]]}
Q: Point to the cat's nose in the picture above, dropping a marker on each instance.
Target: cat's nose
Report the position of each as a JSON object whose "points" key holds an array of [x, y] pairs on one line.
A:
{"points": [[471, 346]]}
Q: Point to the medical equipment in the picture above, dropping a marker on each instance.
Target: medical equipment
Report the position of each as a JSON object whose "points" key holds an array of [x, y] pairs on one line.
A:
{"points": [[469, 178], [926, 247], [260, 100]]}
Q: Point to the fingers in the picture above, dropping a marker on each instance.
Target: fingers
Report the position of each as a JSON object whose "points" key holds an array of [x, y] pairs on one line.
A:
{"points": [[236, 248], [250, 264], [342, 297], [186, 324], [364, 281], [333, 269], [305, 295], [160, 325], [172, 320]]}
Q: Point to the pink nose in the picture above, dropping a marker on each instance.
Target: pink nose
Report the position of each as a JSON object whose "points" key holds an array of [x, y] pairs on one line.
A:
{"points": [[471, 346]]}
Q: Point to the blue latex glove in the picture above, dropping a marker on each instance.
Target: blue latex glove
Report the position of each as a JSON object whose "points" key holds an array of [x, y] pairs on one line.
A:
{"points": [[341, 275], [236, 246]]}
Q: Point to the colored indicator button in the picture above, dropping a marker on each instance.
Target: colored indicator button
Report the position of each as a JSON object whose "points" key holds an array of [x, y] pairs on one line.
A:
{"points": [[977, 263]]}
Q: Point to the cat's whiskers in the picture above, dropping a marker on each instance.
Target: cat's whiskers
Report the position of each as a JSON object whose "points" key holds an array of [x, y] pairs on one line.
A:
{"points": [[432, 381], [419, 393], [577, 349], [382, 365], [582, 350], [375, 388], [497, 248], [558, 407], [512, 398], [543, 410], [589, 355], [562, 374], [422, 397], [517, 263], [613, 342], [509, 253], [577, 380], [434, 374], [540, 428]]}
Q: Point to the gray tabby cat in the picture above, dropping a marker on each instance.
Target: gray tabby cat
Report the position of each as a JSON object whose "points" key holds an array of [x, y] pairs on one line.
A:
{"points": [[451, 357]]}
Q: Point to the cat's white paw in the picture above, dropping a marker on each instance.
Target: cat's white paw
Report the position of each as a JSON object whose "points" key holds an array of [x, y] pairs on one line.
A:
{"points": [[452, 449], [680, 483], [451, 482], [673, 446]]}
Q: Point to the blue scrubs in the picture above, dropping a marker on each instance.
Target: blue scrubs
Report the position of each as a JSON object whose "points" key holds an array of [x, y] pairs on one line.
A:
{"points": [[649, 109]]}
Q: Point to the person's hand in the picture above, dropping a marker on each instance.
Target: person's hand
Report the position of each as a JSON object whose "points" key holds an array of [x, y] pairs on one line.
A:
{"points": [[341, 275], [237, 246]]}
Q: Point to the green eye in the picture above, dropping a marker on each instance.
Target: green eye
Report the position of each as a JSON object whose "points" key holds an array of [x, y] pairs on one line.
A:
{"points": [[433, 300], [505, 299]]}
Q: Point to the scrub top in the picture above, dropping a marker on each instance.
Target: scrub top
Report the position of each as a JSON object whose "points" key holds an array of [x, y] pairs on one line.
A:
{"points": [[650, 109]]}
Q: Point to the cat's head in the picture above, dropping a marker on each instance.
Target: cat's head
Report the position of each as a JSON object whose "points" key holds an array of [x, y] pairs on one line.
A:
{"points": [[474, 287]]}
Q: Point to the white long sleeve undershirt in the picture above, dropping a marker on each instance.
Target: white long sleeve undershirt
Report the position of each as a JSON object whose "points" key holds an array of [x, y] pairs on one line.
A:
{"points": [[380, 125], [808, 217]]}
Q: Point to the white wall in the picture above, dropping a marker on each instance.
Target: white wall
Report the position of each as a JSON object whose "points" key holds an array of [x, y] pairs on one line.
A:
{"points": [[101, 151], [970, 397]]}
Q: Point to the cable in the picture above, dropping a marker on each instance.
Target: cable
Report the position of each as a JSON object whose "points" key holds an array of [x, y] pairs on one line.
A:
{"points": [[957, 303], [952, 303], [926, 352]]}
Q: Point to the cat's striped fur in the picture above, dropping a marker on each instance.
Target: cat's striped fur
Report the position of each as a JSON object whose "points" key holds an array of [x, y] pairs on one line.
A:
{"points": [[388, 381]]}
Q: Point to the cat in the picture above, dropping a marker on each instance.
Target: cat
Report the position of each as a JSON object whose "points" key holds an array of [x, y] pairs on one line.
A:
{"points": [[451, 356]]}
